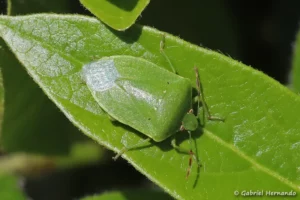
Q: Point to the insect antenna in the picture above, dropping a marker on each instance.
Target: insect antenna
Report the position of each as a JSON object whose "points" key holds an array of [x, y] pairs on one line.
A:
{"points": [[201, 98], [162, 47]]}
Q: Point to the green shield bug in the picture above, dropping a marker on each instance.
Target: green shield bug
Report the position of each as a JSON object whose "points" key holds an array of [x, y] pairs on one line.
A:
{"points": [[144, 97]]}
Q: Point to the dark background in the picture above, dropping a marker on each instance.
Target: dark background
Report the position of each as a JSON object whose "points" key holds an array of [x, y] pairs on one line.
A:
{"points": [[258, 33]]}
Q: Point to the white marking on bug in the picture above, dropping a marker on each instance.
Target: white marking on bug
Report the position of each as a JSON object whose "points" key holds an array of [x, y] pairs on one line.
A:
{"points": [[100, 75]]}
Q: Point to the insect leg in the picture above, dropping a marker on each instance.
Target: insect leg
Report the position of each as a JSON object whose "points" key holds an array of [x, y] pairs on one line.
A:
{"points": [[162, 47], [201, 98], [124, 149], [189, 152]]}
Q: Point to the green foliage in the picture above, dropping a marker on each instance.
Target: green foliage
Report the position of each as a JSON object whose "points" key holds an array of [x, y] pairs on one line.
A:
{"points": [[130, 195], [29, 114], [296, 65], [117, 14], [1, 97], [256, 148], [32, 165], [10, 188]]}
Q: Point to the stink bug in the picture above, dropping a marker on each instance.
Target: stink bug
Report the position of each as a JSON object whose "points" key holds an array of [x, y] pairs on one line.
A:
{"points": [[148, 98]]}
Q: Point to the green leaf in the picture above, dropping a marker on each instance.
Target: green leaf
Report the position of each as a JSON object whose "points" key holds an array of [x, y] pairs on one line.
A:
{"points": [[296, 65], [31, 122], [1, 98], [117, 14], [10, 188], [82, 153], [257, 148], [29, 114], [135, 194]]}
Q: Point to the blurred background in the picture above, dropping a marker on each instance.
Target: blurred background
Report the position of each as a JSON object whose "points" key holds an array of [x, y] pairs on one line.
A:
{"points": [[260, 34]]}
